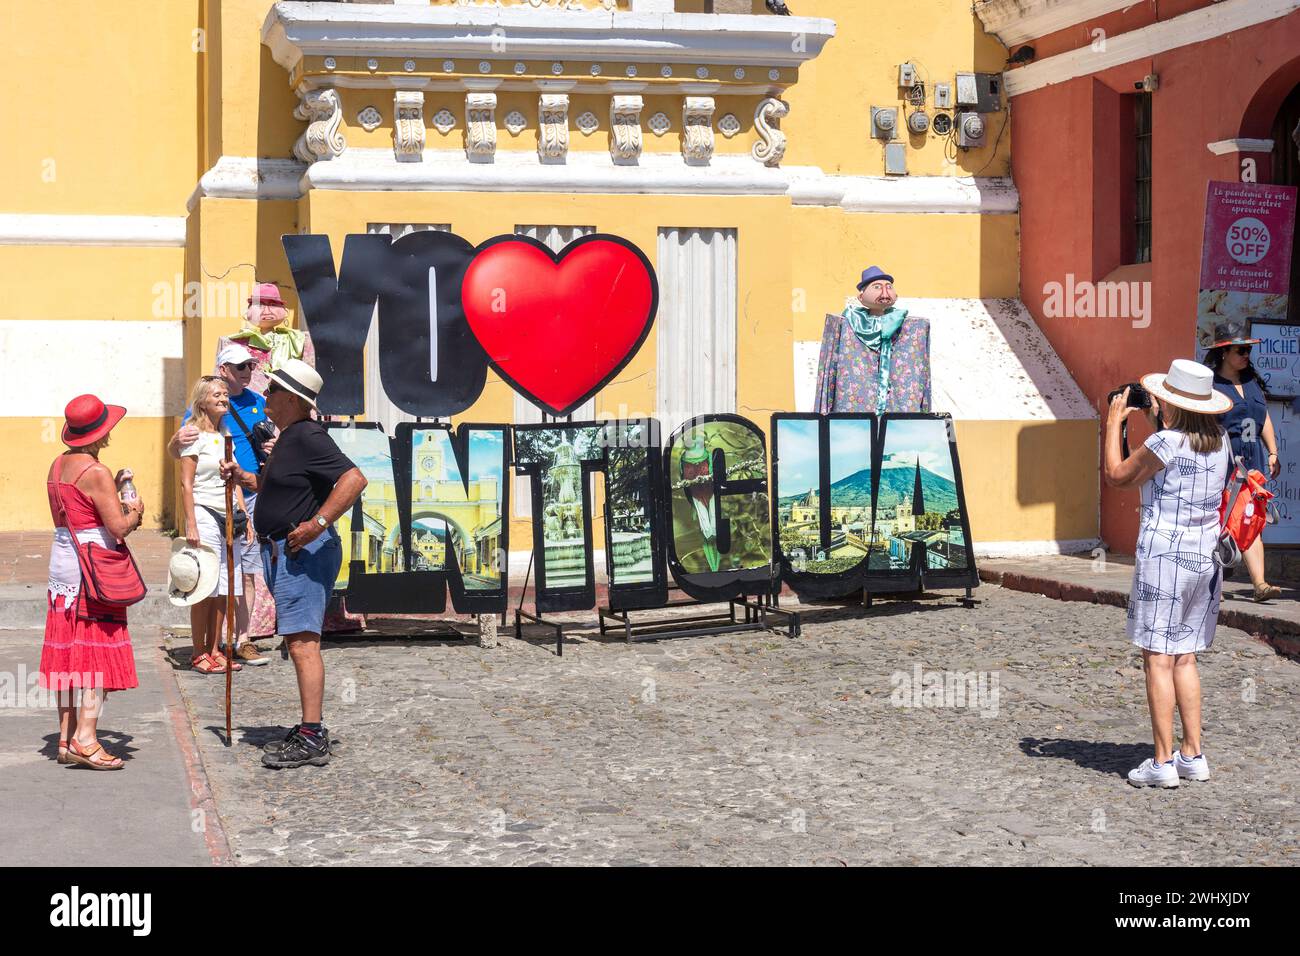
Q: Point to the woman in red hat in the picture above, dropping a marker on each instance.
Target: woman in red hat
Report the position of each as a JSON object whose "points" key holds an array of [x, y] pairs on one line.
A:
{"points": [[92, 656]]}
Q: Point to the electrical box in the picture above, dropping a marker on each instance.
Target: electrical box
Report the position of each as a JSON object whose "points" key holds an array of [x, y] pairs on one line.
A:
{"points": [[918, 122], [981, 91], [895, 159], [971, 130], [906, 75], [884, 122], [943, 96]]}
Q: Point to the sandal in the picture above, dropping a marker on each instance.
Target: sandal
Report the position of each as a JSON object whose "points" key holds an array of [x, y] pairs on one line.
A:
{"points": [[96, 758], [222, 662], [204, 664], [63, 752]]}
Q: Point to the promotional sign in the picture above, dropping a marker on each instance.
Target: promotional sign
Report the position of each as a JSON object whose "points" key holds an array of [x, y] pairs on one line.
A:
{"points": [[1276, 358], [858, 502], [1245, 255]]}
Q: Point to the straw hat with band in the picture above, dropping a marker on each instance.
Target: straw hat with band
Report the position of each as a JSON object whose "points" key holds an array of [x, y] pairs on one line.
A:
{"points": [[1232, 332], [87, 420], [298, 377], [1188, 385], [191, 573]]}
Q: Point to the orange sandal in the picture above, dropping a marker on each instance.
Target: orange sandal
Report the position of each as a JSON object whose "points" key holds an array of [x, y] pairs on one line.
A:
{"points": [[63, 751], [204, 664], [96, 758], [222, 662]]}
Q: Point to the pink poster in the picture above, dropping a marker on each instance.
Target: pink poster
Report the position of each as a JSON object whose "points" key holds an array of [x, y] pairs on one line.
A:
{"points": [[1245, 257]]}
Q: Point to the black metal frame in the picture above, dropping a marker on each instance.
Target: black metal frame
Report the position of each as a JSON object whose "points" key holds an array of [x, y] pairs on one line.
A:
{"points": [[755, 619]]}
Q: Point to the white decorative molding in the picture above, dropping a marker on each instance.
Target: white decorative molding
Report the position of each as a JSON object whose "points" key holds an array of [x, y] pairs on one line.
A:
{"points": [[153, 350], [660, 124], [369, 119], [408, 125], [515, 122], [697, 129], [1199, 25], [31, 229], [1015, 21], [553, 127], [322, 139], [247, 177], [293, 30], [625, 129], [587, 123], [480, 127], [812, 186], [444, 121], [1246, 145], [729, 126], [770, 149]]}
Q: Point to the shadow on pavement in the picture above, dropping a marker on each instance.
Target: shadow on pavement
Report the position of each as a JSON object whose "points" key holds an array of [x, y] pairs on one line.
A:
{"points": [[1103, 757]]}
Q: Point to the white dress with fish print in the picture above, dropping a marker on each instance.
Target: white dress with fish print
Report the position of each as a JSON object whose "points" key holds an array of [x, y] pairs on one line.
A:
{"points": [[1174, 606]]}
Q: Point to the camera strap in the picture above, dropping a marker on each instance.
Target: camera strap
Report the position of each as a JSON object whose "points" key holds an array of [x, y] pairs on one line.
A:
{"points": [[248, 436]]}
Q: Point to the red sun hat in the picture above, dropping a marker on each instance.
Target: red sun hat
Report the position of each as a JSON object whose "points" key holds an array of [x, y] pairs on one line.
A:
{"points": [[88, 420], [266, 293]]}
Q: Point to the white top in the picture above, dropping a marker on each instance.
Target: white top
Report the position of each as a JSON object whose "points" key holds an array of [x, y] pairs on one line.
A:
{"points": [[209, 448]]}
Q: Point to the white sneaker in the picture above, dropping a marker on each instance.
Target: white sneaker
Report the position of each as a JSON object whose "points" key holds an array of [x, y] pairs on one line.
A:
{"points": [[1194, 768], [1152, 774]]}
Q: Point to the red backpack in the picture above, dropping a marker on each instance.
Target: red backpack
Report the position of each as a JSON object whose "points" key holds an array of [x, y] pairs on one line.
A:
{"points": [[1244, 511]]}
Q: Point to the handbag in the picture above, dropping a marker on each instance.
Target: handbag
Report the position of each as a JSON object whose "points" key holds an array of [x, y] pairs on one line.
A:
{"points": [[1245, 509], [239, 523], [109, 576]]}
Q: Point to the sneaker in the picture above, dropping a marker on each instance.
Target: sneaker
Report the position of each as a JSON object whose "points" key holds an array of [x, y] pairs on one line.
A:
{"points": [[1152, 774], [248, 654], [277, 745], [299, 749], [1191, 768]]}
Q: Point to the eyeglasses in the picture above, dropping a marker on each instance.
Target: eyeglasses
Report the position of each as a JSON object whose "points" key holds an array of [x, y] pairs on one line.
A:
{"points": [[1241, 349]]}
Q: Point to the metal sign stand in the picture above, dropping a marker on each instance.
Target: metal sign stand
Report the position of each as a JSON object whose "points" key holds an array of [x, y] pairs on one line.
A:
{"points": [[754, 618], [521, 615]]}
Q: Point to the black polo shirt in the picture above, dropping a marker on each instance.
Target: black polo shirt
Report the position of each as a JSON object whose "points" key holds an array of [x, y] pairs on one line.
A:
{"points": [[299, 475]]}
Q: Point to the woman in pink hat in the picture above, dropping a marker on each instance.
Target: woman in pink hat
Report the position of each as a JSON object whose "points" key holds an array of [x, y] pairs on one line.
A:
{"points": [[268, 335], [87, 652]]}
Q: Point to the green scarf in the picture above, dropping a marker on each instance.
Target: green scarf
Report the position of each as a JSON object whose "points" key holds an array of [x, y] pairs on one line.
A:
{"points": [[877, 333], [282, 342]]}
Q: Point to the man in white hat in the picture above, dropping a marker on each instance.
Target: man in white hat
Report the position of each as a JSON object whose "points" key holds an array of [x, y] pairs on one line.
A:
{"points": [[305, 486], [253, 442]]}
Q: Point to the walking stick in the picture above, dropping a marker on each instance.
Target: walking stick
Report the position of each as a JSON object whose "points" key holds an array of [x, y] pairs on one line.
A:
{"points": [[230, 580]]}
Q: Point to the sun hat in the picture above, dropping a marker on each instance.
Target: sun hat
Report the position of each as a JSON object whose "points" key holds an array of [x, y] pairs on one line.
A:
{"points": [[87, 420], [1188, 385], [191, 573], [871, 274], [1232, 332], [298, 377], [266, 293], [233, 354]]}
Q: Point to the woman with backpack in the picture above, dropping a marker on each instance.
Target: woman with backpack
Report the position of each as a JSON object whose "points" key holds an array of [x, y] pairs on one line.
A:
{"points": [[1174, 605]]}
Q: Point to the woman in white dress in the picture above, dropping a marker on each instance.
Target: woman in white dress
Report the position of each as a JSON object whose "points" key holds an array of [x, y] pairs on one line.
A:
{"points": [[1174, 605]]}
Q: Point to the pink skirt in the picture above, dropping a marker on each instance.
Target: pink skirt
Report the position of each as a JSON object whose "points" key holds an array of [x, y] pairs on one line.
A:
{"points": [[81, 653]]}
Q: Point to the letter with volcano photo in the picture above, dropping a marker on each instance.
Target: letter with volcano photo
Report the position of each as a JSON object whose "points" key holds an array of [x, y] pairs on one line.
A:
{"points": [[721, 542], [634, 525], [560, 459], [822, 468], [921, 522], [458, 522]]}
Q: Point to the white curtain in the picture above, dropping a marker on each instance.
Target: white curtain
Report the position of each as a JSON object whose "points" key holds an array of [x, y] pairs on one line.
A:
{"points": [[378, 407], [696, 338]]}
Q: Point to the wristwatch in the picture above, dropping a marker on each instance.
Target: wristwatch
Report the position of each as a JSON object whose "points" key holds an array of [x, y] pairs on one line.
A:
{"points": [[320, 520]]}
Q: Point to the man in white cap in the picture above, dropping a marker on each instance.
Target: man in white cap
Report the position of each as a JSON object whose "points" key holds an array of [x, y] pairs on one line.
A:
{"points": [[253, 442], [306, 485]]}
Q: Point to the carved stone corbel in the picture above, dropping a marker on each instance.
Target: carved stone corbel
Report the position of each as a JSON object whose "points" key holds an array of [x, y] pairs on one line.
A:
{"points": [[553, 128], [770, 149], [322, 138], [625, 129], [408, 127], [480, 127], [697, 130]]}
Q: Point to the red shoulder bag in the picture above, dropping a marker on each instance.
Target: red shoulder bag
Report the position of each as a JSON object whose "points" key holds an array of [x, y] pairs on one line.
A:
{"points": [[109, 576]]}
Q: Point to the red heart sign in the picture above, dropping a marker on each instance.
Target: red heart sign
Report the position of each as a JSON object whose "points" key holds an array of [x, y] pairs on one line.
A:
{"points": [[558, 328]]}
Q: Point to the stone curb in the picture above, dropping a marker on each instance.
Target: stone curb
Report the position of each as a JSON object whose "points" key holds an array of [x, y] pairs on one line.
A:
{"points": [[1279, 634]]}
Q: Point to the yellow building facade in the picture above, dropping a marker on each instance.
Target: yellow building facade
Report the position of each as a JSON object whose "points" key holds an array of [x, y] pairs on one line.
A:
{"points": [[738, 150]]}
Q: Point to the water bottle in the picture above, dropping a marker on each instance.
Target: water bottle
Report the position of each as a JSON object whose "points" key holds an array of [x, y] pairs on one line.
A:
{"points": [[126, 492]]}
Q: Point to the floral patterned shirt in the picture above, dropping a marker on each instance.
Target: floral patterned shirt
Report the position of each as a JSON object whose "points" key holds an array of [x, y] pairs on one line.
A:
{"points": [[848, 371]]}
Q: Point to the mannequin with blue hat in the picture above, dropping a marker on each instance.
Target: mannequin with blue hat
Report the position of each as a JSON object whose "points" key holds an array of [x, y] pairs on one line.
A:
{"points": [[875, 356]]}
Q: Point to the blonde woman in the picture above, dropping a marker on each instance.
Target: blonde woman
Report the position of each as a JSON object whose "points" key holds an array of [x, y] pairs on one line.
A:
{"points": [[203, 498], [1174, 605]]}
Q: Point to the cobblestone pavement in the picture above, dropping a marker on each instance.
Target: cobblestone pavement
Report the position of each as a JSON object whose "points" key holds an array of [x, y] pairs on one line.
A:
{"points": [[756, 749]]}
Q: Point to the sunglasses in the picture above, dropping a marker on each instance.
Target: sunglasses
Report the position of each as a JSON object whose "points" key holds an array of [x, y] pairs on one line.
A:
{"points": [[1241, 349], [243, 366], [272, 388]]}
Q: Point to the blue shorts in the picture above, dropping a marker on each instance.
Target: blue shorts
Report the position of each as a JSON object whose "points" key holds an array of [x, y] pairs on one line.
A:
{"points": [[302, 582]]}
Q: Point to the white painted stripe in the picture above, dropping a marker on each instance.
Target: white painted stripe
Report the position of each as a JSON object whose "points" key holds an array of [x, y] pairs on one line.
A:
{"points": [[1195, 27], [1015, 21], [136, 364], [1243, 145], [1027, 549], [26, 229]]}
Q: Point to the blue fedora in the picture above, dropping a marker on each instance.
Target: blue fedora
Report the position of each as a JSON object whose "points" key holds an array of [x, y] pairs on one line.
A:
{"points": [[871, 275]]}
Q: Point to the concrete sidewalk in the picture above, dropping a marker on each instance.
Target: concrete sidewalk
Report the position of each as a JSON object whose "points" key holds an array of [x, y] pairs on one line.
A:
{"points": [[156, 811], [1067, 577]]}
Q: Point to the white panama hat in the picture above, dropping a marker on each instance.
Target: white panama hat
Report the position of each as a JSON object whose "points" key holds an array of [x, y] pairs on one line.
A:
{"points": [[191, 573], [1188, 385], [298, 377]]}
